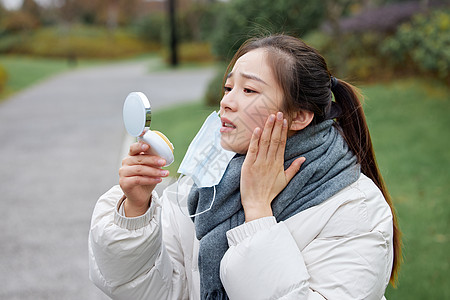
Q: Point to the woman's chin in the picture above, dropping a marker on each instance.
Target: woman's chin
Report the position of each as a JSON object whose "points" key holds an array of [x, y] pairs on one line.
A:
{"points": [[230, 147], [225, 145]]}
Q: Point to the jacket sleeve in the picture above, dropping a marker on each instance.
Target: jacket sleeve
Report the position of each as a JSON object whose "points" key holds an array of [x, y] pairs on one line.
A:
{"points": [[266, 248], [127, 258]]}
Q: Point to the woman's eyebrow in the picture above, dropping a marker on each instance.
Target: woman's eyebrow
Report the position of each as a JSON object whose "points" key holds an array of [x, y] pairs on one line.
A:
{"points": [[248, 76]]}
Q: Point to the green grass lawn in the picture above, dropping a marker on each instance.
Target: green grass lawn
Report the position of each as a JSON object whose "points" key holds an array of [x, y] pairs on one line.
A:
{"points": [[24, 71], [408, 121]]}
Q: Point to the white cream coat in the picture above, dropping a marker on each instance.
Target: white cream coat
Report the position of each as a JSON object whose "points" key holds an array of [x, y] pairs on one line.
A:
{"points": [[340, 249]]}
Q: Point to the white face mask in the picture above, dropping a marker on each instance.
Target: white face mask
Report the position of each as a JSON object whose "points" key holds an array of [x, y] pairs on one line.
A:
{"points": [[205, 160]]}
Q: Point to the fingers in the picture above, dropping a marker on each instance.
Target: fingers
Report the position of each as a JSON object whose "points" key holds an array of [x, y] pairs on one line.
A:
{"points": [[137, 148], [127, 183], [294, 168], [139, 153], [283, 139], [253, 146], [272, 137], [276, 140], [131, 175], [264, 141], [144, 159], [140, 168]]}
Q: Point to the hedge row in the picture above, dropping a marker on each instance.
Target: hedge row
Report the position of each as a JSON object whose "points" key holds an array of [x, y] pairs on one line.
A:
{"points": [[3, 78], [424, 42], [76, 41]]}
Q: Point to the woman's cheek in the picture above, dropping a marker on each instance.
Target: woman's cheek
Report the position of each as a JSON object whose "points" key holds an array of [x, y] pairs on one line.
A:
{"points": [[248, 137], [258, 121]]}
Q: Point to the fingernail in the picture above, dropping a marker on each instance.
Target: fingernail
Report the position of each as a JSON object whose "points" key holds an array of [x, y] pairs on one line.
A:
{"points": [[280, 116], [144, 147], [164, 173], [284, 123], [161, 162], [271, 118]]}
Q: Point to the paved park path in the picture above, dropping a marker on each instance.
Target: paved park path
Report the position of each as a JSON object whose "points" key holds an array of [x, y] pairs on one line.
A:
{"points": [[60, 147]]}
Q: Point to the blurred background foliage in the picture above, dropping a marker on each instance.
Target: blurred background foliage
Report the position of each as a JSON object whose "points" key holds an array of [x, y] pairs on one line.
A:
{"points": [[244, 18], [363, 41], [422, 43], [372, 43]]}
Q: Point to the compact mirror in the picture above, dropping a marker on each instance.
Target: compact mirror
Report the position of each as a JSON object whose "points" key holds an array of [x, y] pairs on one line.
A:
{"points": [[137, 114]]}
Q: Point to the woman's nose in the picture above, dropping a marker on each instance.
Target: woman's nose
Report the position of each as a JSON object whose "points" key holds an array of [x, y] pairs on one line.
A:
{"points": [[228, 102]]}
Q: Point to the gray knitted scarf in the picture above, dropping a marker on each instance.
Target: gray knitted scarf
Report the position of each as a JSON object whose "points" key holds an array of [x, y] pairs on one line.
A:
{"points": [[330, 166]]}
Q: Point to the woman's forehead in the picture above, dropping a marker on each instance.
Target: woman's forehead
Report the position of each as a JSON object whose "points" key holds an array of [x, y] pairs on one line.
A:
{"points": [[253, 65]]}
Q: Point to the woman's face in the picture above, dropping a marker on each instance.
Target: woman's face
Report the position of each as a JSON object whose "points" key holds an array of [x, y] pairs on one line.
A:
{"points": [[251, 95]]}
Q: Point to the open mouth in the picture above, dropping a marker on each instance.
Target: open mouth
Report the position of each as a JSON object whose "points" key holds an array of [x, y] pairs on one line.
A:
{"points": [[227, 125]]}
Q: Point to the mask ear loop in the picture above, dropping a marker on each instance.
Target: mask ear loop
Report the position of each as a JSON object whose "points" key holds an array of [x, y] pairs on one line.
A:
{"points": [[196, 214]]}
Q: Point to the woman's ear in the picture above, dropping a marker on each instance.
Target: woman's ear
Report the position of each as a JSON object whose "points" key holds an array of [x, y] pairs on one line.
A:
{"points": [[301, 119]]}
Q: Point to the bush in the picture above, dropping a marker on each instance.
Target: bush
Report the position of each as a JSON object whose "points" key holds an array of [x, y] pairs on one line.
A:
{"points": [[214, 91], [424, 42], [3, 78], [357, 57], [241, 17], [198, 22], [151, 27], [370, 55], [19, 21], [192, 53], [13, 42], [76, 42]]}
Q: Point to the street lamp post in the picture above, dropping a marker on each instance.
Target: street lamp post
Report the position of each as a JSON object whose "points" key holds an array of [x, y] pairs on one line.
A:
{"points": [[173, 34]]}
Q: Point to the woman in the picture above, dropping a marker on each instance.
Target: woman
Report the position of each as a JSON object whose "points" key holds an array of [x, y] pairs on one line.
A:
{"points": [[300, 213]]}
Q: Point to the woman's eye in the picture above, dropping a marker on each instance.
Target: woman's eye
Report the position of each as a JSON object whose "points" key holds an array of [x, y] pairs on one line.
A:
{"points": [[249, 91], [227, 89]]}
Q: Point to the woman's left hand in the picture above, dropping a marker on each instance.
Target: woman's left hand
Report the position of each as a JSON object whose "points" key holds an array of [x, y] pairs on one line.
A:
{"points": [[263, 176]]}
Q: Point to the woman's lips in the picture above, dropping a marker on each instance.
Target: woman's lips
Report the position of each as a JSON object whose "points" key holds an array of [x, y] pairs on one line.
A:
{"points": [[227, 125]]}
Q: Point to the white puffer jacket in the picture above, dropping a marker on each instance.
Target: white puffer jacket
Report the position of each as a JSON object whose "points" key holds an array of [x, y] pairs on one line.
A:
{"points": [[340, 249]]}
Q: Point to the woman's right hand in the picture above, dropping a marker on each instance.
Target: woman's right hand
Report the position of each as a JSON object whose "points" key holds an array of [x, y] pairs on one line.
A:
{"points": [[139, 174]]}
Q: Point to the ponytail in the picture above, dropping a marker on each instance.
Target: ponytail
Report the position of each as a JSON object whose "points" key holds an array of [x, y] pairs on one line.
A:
{"points": [[355, 131]]}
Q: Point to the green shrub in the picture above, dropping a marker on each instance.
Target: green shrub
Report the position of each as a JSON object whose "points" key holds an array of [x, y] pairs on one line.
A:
{"points": [[242, 18], [151, 27], [3, 78], [214, 91], [18, 21], [318, 39], [198, 22], [357, 57], [364, 68], [76, 41], [10, 43], [424, 42], [192, 52], [421, 46]]}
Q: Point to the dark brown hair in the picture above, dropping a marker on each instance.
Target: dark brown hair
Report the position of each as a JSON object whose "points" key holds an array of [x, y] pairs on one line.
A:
{"points": [[306, 82]]}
